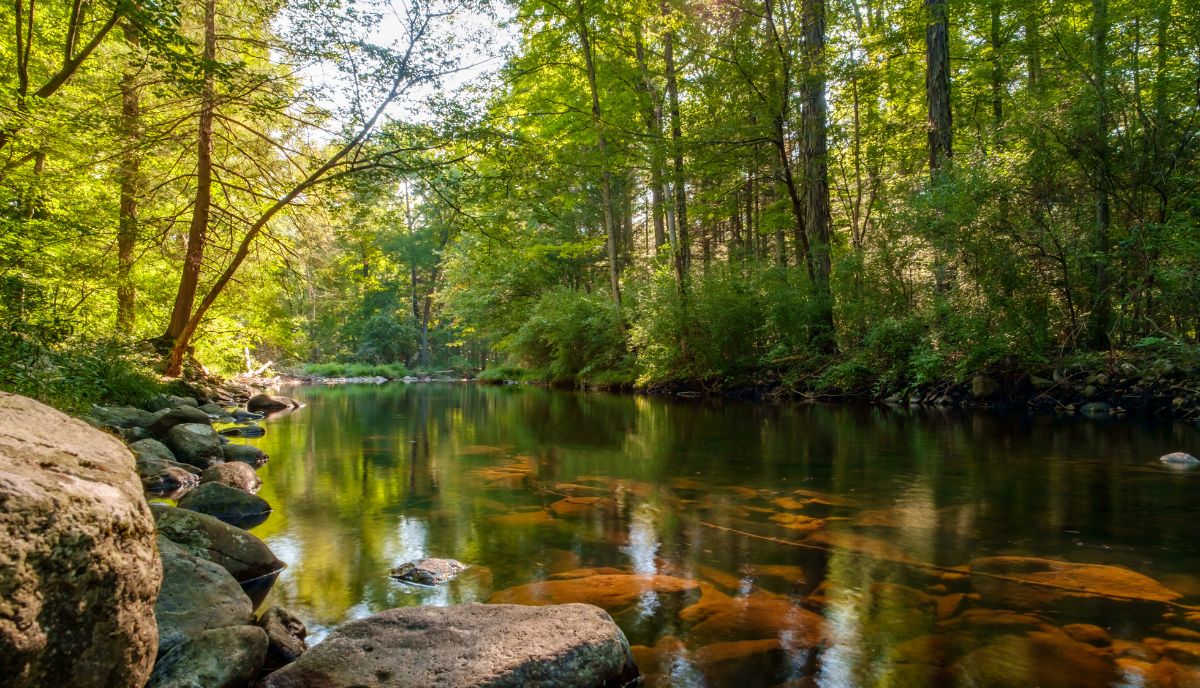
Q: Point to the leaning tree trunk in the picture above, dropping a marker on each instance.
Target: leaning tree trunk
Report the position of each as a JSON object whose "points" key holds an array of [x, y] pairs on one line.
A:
{"points": [[189, 279]]}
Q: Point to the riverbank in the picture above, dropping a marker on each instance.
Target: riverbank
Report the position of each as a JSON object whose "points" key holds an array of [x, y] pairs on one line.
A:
{"points": [[1114, 384]]}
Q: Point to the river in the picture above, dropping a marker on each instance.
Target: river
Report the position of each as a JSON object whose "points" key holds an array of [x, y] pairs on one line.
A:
{"points": [[742, 544]]}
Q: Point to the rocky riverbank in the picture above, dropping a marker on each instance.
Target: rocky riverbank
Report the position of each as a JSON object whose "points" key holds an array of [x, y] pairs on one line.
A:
{"points": [[107, 590]]}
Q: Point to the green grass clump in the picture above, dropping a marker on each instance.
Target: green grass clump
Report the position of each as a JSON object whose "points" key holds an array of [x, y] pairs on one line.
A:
{"points": [[500, 374], [392, 371]]}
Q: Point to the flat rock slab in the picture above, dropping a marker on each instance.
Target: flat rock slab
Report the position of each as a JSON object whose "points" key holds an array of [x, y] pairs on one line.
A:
{"points": [[468, 645], [428, 571]]}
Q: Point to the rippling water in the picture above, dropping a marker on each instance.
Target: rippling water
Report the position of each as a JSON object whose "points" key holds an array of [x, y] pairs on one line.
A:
{"points": [[756, 544]]}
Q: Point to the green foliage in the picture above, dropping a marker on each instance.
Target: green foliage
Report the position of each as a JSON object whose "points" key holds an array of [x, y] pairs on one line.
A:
{"points": [[500, 374], [392, 371], [572, 335]]}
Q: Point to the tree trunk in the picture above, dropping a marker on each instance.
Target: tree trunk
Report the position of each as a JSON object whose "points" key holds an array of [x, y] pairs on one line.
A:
{"points": [[937, 83], [130, 173], [1100, 322], [817, 221], [193, 261], [610, 229], [683, 251]]}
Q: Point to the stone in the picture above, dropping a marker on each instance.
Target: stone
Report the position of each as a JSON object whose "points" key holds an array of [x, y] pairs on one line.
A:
{"points": [[285, 637], [580, 506], [428, 571], [763, 662], [213, 410], [195, 444], [467, 645], [984, 387], [244, 453], [229, 504], [159, 475], [243, 416], [152, 448], [170, 401], [197, 595], [1179, 459], [1038, 584], [614, 593], [248, 430], [753, 618], [78, 567], [218, 658], [234, 474], [186, 414], [1040, 383], [121, 417], [1037, 659], [1095, 408], [268, 402], [1088, 633], [242, 554]]}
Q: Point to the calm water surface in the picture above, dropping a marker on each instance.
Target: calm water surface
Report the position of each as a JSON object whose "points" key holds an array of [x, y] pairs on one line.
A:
{"points": [[755, 544]]}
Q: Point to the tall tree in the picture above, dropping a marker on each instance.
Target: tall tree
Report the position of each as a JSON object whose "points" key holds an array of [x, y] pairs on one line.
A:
{"points": [[937, 83]]}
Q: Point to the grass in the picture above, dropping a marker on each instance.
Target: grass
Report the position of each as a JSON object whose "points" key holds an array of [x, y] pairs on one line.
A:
{"points": [[500, 374], [392, 371]]}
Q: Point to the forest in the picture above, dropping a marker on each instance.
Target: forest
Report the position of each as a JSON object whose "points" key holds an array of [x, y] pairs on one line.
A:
{"points": [[852, 197]]}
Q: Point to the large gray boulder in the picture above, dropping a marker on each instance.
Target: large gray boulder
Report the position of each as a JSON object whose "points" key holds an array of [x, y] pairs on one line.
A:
{"points": [[197, 595], [184, 414], [269, 402], [229, 504], [218, 658], [243, 555], [575, 645], [234, 474], [78, 567], [195, 443]]}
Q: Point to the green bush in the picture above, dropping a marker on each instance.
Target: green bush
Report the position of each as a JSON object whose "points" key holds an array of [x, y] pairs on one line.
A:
{"points": [[391, 371], [572, 335]]}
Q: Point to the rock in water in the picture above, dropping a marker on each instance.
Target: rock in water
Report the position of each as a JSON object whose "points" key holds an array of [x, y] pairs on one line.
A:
{"points": [[285, 635], [499, 646], [243, 555], [229, 504], [219, 658], [267, 402], [1179, 459], [195, 444], [244, 453], [179, 416], [78, 567], [196, 596], [234, 474], [428, 571]]}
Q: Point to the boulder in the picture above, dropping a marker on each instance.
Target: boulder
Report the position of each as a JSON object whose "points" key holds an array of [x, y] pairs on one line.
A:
{"points": [[984, 387], [197, 595], [234, 474], [428, 571], [187, 414], [170, 401], [614, 593], [243, 555], [219, 658], [229, 504], [757, 617], [78, 567], [160, 476], [268, 402], [195, 444], [213, 410], [243, 416], [121, 417], [152, 449], [285, 637], [466, 645], [1179, 459], [244, 453], [1037, 659]]}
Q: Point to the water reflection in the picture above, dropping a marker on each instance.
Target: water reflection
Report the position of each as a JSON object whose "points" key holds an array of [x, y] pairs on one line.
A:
{"points": [[742, 544]]}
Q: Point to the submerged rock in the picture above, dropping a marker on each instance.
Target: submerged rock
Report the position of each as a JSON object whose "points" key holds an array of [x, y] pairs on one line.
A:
{"points": [[248, 430], [229, 504], [614, 593], [753, 618], [234, 474], [428, 571], [1037, 659], [194, 443], [242, 554], [466, 645], [197, 595], [242, 415], [1038, 584], [285, 637], [219, 658], [78, 568]]}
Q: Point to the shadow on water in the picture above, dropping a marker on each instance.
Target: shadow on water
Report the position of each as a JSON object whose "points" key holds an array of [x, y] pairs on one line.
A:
{"points": [[752, 544]]}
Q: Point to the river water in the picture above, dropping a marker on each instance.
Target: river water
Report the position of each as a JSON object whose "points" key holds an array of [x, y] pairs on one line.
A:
{"points": [[744, 544]]}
